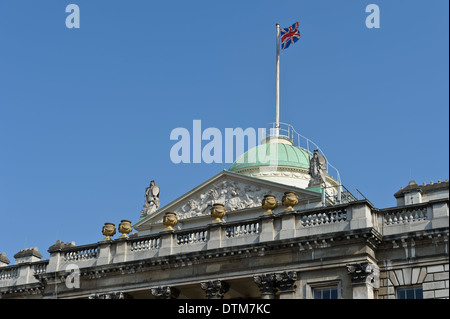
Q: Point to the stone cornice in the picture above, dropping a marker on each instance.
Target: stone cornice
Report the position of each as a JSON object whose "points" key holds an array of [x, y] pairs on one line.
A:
{"points": [[367, 236]]}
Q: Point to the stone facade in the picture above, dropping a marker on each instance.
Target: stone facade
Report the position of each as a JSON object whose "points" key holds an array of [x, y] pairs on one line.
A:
{"points": [[320, 249]]}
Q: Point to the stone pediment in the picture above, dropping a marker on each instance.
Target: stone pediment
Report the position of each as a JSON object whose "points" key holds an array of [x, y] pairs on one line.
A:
{"points": [[235, 191]]}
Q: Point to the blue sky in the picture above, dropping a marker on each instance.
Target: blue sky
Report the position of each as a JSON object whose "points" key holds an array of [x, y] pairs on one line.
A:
{"points": [[86, 114]]}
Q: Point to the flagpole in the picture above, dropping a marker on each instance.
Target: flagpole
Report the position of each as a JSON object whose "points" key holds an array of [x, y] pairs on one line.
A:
{"points": [[277, 95]]}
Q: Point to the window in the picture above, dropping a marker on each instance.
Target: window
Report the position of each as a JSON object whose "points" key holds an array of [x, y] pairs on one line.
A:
{"points": [[409, 293], [326, 293], [317, 288]]}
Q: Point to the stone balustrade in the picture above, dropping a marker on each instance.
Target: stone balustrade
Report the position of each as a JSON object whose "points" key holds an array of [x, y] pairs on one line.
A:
{"points": [[242, 229], [405, 215], [9, 273], [39, 267], [145, 244], [192, 237], [280, 226], [322, 218], [81, 253]]}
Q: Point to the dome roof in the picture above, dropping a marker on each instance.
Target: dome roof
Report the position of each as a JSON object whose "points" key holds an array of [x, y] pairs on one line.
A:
{"points": [[265, 155]]}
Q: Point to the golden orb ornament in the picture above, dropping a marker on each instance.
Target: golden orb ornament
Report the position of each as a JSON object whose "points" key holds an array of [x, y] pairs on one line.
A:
{"points": [[218, 212], [170, 219], [269, 203], [289, 200], [125, 228], [108, 230]]}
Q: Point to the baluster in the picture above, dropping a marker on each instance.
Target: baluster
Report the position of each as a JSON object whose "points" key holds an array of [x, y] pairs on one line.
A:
{"points": [[332, 217], [395, 219], [309, 220], [390, 221], [327, 218], [422, 215], [416, 215], [411, 216], [405, 216], [400, 217]]}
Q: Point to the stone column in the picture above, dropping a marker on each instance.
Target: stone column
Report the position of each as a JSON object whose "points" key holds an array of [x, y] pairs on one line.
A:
{"points": [[215, 289], [286, 283], [165, 292], [121, 250], [267, 285], [216, 235], [56, 254], [361, 213], [167, 243], [287, 226], [440, 215], [365, 278], [104, 252], [25, 257], [267, 229]]}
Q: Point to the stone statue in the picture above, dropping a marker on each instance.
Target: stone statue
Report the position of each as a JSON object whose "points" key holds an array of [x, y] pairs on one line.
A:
{"points": [[151, 199], [317, 170]]}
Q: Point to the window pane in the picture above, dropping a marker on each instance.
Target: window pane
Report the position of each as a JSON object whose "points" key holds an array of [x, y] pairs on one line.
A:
{"points": [[401, 294], [333, 293], [325, 293], [409, 293], [317, 294], [419, 293]]}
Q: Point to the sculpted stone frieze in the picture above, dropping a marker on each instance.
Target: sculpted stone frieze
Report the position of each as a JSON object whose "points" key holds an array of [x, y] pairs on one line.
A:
{"points": [[233, 195]]}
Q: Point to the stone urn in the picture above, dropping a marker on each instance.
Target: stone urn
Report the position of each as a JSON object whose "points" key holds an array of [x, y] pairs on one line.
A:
{"points": [[218, 212], [125, 228], [108, 230], [170, 219], [269, 203], [289, 200]]}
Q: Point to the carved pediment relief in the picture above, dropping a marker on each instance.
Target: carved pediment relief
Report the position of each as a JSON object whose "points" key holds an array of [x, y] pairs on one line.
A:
{"points": [[232, 194], [236, 192]]}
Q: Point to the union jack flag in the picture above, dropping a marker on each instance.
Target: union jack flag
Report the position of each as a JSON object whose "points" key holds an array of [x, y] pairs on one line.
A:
{"points": [[289, 35]]}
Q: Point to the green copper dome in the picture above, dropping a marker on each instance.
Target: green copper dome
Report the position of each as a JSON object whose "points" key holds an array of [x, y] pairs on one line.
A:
{"points": [[268, 154]]}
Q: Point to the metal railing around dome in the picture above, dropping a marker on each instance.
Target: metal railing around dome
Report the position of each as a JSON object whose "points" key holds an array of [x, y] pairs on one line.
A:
{"points": [[287, 131]]}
